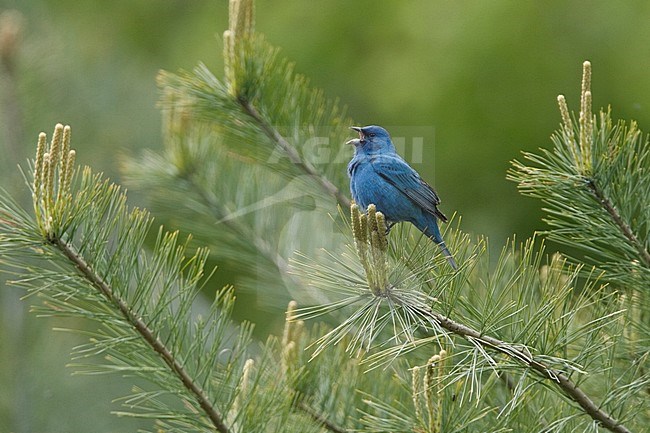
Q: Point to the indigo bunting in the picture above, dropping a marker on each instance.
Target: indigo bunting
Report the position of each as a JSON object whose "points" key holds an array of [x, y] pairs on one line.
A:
{"points": [[379, 176]]}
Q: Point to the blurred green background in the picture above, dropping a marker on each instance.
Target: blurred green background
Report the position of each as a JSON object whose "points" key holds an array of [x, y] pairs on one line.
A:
{"points": [[481, 76]]}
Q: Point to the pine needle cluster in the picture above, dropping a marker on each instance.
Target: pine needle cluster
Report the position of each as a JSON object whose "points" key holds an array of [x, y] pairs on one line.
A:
{"points": [[280, 142], [82, 253], [596, 188]]}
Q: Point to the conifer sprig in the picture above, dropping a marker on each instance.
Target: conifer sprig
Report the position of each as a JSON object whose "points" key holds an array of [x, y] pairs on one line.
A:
{"points": [[82, 253], [596, 187], [262, 125], [242, 220], [415, 311], [265, 110]]}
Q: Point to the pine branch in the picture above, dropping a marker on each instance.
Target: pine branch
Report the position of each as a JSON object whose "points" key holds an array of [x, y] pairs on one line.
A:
{"points": [[412, 309], [145, 332], [596, 186], [244, 221], [523, 356], [320, 419], [294, 155], [261, 111], [265, 110], [83, 253], [618, 220]]}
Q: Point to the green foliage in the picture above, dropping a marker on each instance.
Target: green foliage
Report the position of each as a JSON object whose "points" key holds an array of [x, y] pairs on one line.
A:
{"points": [[279, 140], [596, 187], [82, 254], [521, 343]]}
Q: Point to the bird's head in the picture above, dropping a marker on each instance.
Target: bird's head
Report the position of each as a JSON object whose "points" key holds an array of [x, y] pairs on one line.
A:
{"points": [[372, 139]]}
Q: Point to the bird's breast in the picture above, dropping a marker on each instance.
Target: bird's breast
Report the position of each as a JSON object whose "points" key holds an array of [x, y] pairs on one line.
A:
{"points": [[367, 186]]}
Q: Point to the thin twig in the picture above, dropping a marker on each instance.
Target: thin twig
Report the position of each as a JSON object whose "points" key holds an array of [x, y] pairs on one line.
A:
{"points": [[622, 225], [320, 418], [294, 156], [562, 380], [147, 333]]}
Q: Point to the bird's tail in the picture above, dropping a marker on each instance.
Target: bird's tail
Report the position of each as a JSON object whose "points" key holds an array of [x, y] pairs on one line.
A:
{"points": [[433, 232], [447, 253]]}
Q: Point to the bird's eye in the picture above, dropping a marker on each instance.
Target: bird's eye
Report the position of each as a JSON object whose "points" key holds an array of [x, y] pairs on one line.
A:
{"points": [[372, 134]]}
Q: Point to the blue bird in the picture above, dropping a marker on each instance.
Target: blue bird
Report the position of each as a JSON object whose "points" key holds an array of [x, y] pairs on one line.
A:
{"points": [[379, 176]]}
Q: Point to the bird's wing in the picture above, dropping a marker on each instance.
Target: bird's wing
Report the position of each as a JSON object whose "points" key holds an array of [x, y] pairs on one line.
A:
{"points": [[399, 174]]}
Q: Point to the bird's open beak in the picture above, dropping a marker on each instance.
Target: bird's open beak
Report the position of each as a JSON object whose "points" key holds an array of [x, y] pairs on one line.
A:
{"points": [[356, 141]]}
